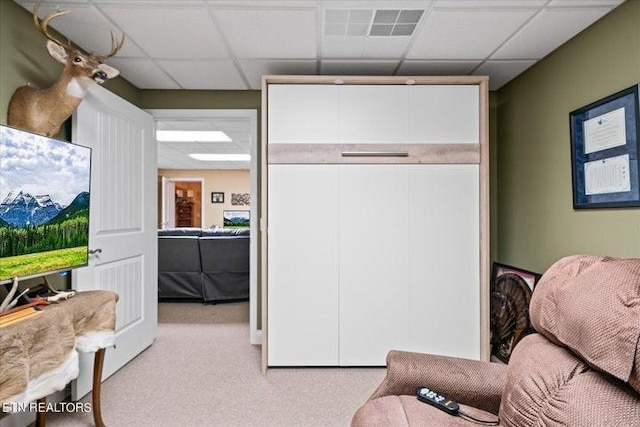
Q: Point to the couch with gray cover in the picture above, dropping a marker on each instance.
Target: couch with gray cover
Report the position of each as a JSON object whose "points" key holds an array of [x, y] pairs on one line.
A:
{"points": [[209, 265]]}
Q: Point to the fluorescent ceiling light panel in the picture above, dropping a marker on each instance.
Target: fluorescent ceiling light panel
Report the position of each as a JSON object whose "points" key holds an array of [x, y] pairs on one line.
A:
{"points": [[191, 136], [209, 157]]}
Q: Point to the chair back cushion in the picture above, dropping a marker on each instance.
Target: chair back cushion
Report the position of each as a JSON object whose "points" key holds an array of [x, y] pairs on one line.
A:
{"points": [[547, 385], [591, 304]]}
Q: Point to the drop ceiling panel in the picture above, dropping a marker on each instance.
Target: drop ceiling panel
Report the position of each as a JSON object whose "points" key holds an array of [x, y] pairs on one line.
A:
{"points": [[365, 68], [170, 32], [254, 69], [342, 47], [501, 72], [581, 3], [547, 31], [377, 4], [437, 68], [87, 28], [385, 47], [464, 4], [143, 73], [212, 74], [466, 34], [263, 34]]}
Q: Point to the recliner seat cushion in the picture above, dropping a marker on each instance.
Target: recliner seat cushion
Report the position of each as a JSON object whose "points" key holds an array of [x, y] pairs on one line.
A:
{"points": [[591, 304], [404, 411]]}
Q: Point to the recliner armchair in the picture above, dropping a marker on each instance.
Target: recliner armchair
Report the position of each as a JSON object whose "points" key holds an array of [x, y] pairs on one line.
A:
{"points": [[582, 368]]}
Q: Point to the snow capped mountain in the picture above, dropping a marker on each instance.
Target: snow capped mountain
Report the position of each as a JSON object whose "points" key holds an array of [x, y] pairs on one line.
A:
{"points": [[20, 209]]}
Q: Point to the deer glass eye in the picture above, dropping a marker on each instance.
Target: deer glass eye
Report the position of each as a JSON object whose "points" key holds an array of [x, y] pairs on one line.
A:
{"points": [[77, 59]]}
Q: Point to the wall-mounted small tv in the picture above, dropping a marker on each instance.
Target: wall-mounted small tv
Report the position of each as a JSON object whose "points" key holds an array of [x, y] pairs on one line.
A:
{"points": [[44, 204]]}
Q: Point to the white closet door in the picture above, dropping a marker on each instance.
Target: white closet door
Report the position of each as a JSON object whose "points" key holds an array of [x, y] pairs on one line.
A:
{"points": [[374, 263], [373, 114], [303, 265], [444, 257], [303, 114], [444, 114]]}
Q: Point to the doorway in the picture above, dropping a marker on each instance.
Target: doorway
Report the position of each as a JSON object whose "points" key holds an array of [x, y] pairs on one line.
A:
{"points": [[183, 202], [242, 127]]}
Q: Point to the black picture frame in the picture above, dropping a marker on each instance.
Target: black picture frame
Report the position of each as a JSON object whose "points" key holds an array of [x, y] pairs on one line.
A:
{"points": [[510, 295], [217, 197], [604, 152]]}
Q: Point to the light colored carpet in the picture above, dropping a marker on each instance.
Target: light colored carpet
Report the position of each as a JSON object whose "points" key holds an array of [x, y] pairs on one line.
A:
{"points": [[202, 371]]}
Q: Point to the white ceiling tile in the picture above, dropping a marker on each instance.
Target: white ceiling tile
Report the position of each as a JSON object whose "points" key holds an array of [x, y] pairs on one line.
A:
{"points": [[385, 47], [376, 4], [463, 34], [87, 28], [583, 3], [254, 69], [366, 68], [261, 34], [547, 31], [188, 3], [211, 74], [170, 32], [342, 47], [363, 47], [436, 68], [501, 72], [488, 3], [143, 73]]}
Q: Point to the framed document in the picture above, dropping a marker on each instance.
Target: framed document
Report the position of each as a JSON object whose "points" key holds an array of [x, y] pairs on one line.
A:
{"points": [[604, 152]]}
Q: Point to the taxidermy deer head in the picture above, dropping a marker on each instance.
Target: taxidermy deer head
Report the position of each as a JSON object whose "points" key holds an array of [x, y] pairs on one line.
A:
{"points": [[44, 110]]}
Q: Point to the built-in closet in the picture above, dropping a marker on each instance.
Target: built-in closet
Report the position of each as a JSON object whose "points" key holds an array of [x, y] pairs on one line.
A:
{"points": [[374, 218]]}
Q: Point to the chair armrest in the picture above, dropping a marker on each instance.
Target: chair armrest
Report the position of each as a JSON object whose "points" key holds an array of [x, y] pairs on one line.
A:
{"points": [[470, 382]]}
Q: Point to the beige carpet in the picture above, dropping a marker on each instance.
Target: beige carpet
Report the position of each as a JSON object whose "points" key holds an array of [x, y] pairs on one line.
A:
{"points": [[202, 371]]}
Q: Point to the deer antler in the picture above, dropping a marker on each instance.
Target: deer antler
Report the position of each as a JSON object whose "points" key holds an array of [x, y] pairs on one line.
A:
{"points": [[43, 25], [115, 47]]}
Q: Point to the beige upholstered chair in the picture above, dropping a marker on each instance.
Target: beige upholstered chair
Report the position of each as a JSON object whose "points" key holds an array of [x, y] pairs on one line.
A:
{"points": [[581, 370]]}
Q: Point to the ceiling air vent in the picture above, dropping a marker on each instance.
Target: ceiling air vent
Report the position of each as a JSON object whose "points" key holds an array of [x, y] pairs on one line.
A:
{"points": [[368, 22], [395, 22]]}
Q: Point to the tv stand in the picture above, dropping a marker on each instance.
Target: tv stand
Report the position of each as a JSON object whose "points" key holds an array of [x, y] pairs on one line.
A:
{"points": [[56, 335]]}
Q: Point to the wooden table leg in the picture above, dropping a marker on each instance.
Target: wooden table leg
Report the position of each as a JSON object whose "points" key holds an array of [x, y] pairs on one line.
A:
{"points": [[41, 416], [98, 362]]}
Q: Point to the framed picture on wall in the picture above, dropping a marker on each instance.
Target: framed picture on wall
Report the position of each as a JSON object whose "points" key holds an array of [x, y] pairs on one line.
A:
{"points": [[511, 290], [236, 219], [217, 197], [604, 152]]}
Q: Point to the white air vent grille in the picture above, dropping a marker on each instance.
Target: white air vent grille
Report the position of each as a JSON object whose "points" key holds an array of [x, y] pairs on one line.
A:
{"points": [[367, 22]]}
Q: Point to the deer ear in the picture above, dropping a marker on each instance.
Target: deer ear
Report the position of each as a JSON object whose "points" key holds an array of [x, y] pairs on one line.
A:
{"points": [[111, 72], [57, 52]]}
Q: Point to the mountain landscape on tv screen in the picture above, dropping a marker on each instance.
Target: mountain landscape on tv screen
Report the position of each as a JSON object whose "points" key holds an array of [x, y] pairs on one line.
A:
{"points": [[22, 209]]}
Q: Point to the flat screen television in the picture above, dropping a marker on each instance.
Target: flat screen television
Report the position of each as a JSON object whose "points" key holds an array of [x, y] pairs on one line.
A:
{"points": [[44, 208]]}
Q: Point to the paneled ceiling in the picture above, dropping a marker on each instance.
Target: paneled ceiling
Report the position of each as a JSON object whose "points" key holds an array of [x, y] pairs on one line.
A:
{"points": [[230, 44], [223, 44]]}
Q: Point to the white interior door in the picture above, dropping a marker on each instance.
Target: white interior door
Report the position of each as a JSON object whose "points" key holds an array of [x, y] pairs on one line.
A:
{"points": [[168, 203], [123, 223]]}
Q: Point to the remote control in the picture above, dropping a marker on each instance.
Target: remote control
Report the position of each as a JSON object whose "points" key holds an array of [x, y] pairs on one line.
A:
{"points": [[432, 398]]}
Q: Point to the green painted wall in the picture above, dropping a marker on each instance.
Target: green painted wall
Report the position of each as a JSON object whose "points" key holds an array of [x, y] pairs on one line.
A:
{"points": [[536, 222], [182, 99]]}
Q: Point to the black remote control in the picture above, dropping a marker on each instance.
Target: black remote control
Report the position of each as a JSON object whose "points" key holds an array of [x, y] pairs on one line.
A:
{"points": [[432, 398]]}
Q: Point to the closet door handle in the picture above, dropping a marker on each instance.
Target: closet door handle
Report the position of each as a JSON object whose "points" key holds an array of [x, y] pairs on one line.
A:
{"points": [[382, 153]]}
